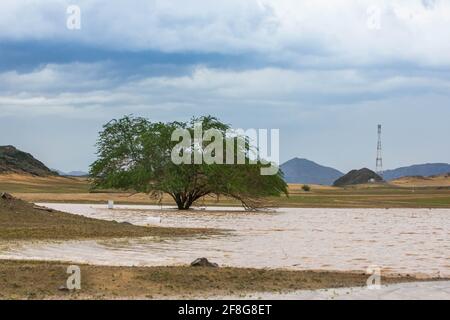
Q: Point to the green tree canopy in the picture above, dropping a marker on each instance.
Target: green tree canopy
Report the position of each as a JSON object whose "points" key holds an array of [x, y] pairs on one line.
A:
{"points": [[135, 154]]}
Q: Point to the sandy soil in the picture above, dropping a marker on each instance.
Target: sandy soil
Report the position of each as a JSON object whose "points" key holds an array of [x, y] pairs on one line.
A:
{"points": [[36, 180], [435, 181]]}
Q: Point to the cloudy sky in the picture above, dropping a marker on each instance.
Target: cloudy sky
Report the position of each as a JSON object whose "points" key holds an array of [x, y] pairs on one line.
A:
{"points": [[324, 72]]}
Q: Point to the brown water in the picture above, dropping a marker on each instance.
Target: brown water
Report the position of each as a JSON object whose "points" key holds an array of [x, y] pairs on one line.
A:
{"points": [[408, 241]]}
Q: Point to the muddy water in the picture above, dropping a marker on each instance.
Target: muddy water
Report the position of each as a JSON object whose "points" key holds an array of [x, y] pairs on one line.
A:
{"points": [[407, 241]]}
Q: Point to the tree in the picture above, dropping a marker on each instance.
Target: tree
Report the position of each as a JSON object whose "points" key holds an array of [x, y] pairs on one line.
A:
{"points": [[135, 154]]}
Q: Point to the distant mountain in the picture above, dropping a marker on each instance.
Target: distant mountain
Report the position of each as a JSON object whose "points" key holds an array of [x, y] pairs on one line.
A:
{"points": [[13, 160], [425, 170], [357, 177], [77, 173], [305, 171], [73, 173]]}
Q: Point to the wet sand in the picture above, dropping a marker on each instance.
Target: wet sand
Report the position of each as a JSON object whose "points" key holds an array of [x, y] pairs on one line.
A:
{"points": [[435, 290], [405, 241]]}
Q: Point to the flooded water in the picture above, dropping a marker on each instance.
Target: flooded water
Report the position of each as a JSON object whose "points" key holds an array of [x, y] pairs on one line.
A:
{"points": [[407, 241]]}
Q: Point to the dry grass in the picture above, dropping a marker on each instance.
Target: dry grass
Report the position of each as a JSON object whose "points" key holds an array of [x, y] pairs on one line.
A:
{"points": [[14, 182], [41, 280], [435, 181], [76, 190], [297, 188], [369, 196]]}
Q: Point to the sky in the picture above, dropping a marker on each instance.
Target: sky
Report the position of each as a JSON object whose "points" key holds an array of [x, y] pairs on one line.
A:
{"points": [[325, 73]]}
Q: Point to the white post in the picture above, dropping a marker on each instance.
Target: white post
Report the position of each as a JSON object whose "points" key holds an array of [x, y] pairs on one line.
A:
{"points": [[110, 204]]}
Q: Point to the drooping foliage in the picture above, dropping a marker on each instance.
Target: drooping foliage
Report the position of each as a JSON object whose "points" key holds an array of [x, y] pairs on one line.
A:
{"points": [[135, 154]]}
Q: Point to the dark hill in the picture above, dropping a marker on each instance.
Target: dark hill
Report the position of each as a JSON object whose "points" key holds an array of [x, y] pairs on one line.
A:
{"points": [[357, 177], [13, 160], [305, 171]]}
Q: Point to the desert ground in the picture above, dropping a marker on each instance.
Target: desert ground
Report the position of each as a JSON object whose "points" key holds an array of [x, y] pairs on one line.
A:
{"points": [[61, 221], [41, 280], [420, 182], [402, 193]]}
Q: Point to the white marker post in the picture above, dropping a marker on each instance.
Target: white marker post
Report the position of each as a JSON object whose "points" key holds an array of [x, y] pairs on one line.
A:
{"points": [[110, 204], [153, 220]]}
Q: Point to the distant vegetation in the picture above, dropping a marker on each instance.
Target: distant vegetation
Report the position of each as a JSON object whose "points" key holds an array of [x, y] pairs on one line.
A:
{"points": [[306, 188]]}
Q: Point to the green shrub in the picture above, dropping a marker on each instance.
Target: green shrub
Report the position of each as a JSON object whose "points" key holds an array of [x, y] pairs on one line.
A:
{"points": [[306, 188]]}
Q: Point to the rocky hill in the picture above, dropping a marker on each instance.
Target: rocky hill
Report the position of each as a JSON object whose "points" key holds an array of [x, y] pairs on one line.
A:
{"points": [[13, 160], [357, 177], [305, 171]]}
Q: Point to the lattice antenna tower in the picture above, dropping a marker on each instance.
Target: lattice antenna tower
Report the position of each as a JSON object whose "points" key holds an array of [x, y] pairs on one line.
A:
{"points": [[379, 165]]}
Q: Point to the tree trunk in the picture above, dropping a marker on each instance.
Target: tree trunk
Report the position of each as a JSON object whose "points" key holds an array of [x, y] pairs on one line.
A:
{"points": [[183, 205], [183, 201]]}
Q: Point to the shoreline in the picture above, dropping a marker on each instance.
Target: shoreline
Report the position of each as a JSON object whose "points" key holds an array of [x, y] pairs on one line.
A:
{"points": [[20, 220], [24, 279]]}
